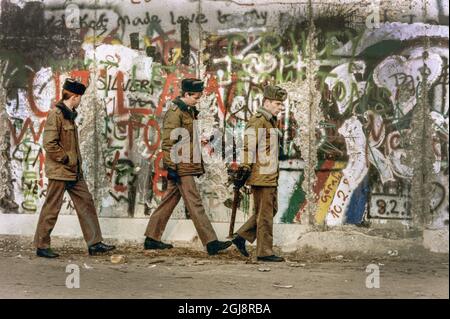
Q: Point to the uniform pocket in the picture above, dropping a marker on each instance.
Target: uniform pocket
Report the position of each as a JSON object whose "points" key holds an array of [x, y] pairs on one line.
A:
{"points": [[187, 119], [67, 140], [188, 123]]}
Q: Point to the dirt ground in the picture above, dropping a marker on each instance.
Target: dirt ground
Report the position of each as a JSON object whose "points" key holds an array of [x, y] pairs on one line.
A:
{"points": [[188, 273]]}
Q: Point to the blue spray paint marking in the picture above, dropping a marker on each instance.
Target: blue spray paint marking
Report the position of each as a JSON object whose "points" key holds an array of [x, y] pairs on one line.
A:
{"points": [[358, 202]]}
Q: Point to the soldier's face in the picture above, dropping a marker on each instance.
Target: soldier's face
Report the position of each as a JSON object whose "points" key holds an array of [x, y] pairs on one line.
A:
{"points": [[76, 99], [275, 107], [192, 99]]}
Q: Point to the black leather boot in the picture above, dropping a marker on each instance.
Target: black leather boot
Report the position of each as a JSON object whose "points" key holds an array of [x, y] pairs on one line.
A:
{"points": [[272, 258], [215, 246], [46, 253], [239, 242], [154, 244], [100, 248]]}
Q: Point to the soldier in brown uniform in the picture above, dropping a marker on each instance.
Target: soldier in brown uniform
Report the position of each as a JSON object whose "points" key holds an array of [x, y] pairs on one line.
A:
{"points": [[260, 169], [179, 119], [63, 170]]}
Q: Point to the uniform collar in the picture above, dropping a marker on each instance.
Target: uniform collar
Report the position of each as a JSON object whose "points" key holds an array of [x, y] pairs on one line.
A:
{"points": [[184, 107], [266, 114], [67, 113]]}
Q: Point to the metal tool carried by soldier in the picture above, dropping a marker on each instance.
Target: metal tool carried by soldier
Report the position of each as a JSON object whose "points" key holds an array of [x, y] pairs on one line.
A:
{"points": [[237, 175]]}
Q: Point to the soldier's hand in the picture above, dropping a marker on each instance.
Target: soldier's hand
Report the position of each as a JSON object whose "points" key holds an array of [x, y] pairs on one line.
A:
{"points": [[173, 175], [65, 160], [243, 174]]}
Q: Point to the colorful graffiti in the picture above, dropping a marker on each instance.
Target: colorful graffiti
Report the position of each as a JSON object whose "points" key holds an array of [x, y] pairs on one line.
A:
{"points": [[346, 151]]}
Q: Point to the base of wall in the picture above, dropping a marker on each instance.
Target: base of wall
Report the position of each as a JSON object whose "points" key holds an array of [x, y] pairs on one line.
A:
{"points": [[180, 231], [436, 240], [288, 237]]}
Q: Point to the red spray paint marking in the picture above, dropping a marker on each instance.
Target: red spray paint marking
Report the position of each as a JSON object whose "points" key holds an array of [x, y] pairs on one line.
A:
{"points": [[158, 174], [102, 73], [152, 123], [213, 87], [34, 107], [131, 126], [113, 166], [57, 87], [110, 37], [321, 179], [27, 124], [36, 137], [82, 75], [160, 38], [171, 80], [120, 188], [232, 90], [166, 45]]}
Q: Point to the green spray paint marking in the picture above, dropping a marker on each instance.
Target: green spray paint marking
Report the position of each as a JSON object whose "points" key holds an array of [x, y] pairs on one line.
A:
{"points": [[297, 198]]}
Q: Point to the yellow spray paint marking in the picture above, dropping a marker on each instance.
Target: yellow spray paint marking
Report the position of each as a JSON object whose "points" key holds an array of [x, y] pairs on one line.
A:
{"points": [[100, 39], [326, 195], [147, 41], [176, 55], [92, 39], [328, 181]]}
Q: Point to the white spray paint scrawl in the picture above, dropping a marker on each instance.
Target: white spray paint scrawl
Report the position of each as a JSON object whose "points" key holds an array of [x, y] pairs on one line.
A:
{"points": [[402, 76], [377, 134], [345, 75], [355, 171]]}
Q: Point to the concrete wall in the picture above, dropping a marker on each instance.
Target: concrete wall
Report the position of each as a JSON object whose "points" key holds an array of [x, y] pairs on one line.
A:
{"points": [[365, 139]]}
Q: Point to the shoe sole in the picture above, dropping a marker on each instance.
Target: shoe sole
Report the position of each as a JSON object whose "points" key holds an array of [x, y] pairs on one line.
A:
{"points": [[49, 257], [98, 253], [157, 248], [244, 254], [215, 253]]}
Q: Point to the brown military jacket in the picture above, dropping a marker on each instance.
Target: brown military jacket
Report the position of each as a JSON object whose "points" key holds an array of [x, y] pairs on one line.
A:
{"points": [[63, 157], [264, 167], [180, 115]]}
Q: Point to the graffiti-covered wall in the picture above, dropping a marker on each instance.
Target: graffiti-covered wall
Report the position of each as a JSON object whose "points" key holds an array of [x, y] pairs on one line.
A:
{"points": [[364, 135]]}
